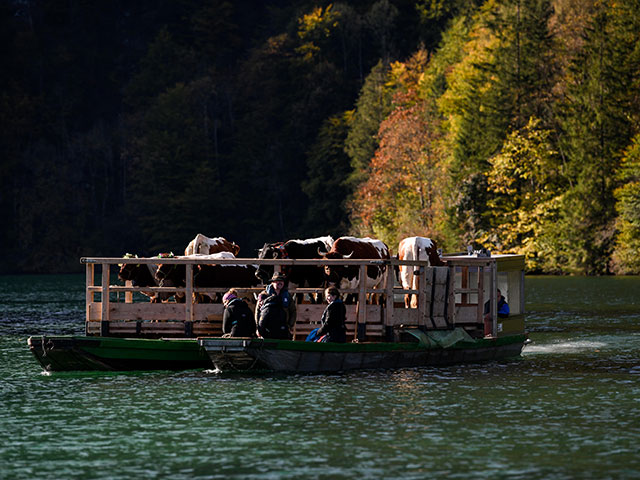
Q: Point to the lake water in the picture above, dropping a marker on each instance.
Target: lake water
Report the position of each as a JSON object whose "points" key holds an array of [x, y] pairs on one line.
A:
{"points": [[568, 408]]}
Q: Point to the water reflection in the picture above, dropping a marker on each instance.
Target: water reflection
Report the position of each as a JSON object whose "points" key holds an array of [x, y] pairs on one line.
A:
{"points": [[566, 409]]}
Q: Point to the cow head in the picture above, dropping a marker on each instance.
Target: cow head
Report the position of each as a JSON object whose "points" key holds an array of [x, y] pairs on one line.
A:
{"points": [[334, 273], [434, 255], [128, 271], [170, 275], [267, 252]]}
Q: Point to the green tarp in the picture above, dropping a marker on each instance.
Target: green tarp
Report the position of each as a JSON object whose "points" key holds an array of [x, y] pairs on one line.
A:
{"points": [[440, 338]]}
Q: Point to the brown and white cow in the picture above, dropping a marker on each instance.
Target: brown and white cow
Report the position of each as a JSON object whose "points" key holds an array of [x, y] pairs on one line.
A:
{"points": [[415, 248], [207, 275], [204, 245], [347, 276]]}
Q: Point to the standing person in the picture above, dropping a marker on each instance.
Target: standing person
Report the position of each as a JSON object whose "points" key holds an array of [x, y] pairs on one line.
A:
{"points": [[276, 310], [333, 318], [237, 320]]}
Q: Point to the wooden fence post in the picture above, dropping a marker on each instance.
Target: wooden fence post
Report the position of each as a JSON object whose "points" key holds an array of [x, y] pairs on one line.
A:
{"points": [[361, 326], [389, 303], [104, 318], [89, 282]]}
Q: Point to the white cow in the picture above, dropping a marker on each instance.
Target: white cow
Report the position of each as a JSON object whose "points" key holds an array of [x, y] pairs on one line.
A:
{"points": [[415, 248]]}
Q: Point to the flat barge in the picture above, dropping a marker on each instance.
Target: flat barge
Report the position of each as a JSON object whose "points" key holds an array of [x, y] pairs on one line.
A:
{"points": [[449, 325]]}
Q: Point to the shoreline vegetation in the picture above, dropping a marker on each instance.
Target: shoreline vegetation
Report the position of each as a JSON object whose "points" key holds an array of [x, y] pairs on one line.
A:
{"points": [[513, 124]]}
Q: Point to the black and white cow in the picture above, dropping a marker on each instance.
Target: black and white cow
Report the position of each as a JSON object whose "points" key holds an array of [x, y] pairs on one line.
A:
{"points": [[347, 276], [299, 276]]}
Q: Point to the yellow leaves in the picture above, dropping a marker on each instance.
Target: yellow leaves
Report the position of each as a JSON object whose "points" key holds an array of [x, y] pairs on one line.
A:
{"points": [[314, 28], [319, 21], [408, 75]]}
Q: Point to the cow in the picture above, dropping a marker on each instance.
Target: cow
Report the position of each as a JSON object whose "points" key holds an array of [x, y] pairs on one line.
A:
{"points": [[206, 246], [208, 275], [299, 276], [415, 248], [347, 276], [140, 275]]}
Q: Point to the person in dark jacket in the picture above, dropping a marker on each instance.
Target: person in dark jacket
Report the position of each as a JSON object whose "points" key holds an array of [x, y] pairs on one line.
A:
{"points": [[276, 310], [237, 320], [503, 306], [333, 318]]}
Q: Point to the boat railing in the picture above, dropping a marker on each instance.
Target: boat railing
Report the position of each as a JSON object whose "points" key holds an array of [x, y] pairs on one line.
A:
{"points": [[444, 299]]}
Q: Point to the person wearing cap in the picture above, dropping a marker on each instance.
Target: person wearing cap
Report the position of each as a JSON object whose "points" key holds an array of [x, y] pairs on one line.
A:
{"points": [[276, 311], [237, 320]]}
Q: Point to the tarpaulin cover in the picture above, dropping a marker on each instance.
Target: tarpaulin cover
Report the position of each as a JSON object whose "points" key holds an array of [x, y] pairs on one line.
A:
{"points": [[440, 338]]}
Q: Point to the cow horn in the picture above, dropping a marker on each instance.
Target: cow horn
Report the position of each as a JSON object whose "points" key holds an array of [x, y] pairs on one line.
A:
{"points": [[320, 252], [348, 256]]}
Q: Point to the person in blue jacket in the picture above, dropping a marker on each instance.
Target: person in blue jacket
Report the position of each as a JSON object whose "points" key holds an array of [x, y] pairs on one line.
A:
{"points": [[503, 306]]}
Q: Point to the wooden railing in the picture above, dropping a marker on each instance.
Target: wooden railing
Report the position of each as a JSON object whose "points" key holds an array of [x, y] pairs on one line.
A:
{"points": [[436, 294]]}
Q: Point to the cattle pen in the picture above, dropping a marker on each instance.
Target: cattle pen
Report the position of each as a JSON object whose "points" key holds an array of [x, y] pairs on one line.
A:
{"points": [[460, 294]]}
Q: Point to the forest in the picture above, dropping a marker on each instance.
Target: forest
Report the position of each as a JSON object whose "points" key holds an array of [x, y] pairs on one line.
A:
{"points": [[129, 127]]}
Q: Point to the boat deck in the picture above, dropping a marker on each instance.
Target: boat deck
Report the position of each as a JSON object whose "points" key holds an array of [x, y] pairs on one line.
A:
{"points": [[447, 297]]}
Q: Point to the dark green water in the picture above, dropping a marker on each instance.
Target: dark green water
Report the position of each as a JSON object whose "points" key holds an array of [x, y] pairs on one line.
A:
{"points": [[569, 408]]}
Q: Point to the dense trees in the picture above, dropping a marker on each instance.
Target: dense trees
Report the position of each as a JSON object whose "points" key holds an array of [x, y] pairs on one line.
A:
{"points": [[133, 126], [536, 116]]}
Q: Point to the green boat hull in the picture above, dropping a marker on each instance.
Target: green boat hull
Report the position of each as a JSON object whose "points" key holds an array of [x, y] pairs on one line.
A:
{"points": [[228, 354], [76, 353]]}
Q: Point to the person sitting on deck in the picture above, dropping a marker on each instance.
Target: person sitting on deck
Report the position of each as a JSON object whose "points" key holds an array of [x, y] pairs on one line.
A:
{"points": [[503, 307], [503, 312], [333, 328], [237, 320], [276, 310]]}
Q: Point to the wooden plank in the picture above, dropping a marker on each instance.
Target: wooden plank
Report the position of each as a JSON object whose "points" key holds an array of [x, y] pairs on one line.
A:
{"points": [[440, 285], [361, 326], [89, 282], [407, 316], [388, 284], [480, 313], [464, 284], [156, 311], [104, 300], [207, 311], [440, 293], [362, 294], [189, 293], [466, 314], [425, 301], [128, 296], [162, 329], [451, 303]]}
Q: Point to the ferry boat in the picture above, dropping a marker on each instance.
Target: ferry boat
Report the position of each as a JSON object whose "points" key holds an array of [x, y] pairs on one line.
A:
{"points": [[124, 331]]}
